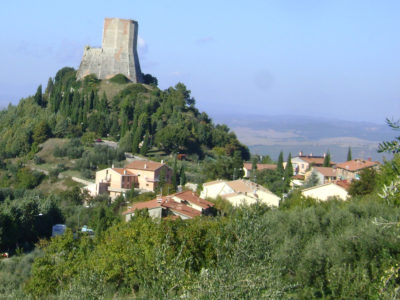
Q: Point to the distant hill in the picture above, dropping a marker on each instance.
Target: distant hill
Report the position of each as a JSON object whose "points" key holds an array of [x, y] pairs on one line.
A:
{"points": [[271, 134]]}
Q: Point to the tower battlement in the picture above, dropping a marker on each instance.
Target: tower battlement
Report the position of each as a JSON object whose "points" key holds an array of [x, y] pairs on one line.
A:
{"points": [[117, 55]]}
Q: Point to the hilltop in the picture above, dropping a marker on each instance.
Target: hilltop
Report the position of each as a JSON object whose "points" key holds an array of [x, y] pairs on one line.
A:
{"points": [[141, 117]]}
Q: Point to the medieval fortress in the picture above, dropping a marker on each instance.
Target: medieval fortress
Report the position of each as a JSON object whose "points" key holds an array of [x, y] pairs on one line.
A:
{"points": [[118, 54]]}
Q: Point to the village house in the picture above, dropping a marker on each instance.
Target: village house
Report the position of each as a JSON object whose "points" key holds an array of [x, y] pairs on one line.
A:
{"points": [[302, 163], [115, 181], [239, 192], [351, 169], [326, 191], [142, 175], [248, 168], [185, 205], [324, 174]]}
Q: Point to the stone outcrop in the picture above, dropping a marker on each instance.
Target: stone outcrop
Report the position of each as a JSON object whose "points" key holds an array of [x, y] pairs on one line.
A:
{"points": [[118, 54]]}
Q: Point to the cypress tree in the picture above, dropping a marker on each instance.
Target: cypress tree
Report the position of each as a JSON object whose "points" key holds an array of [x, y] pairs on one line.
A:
{"points": [[50, 86], [327, 160], [38, 96], [289, 167], [145, 147], [174, 179], [349, 156], [182, 176], [279, 167]]}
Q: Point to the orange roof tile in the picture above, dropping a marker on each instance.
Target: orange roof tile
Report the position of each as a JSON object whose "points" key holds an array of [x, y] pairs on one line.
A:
{"points": [[191, 197], [142, 205], [356, 165], [144, 165], [344, 184], [181, 208], [122, 171], [326, 171], [317, 160]]}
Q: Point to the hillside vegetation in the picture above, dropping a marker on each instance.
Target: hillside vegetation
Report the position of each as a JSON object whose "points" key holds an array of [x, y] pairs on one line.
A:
{"points": [[139, 116]]}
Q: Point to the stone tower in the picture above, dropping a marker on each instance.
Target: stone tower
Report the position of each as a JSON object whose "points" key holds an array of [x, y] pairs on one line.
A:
{"points": [[118, 54]]}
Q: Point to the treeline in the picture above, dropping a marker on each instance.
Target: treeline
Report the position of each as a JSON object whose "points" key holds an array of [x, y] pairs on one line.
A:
{"points": [[329, 250], [139, 116]]}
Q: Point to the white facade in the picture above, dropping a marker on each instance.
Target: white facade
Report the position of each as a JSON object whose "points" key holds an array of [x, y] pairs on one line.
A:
{"points": [[325, 191]]}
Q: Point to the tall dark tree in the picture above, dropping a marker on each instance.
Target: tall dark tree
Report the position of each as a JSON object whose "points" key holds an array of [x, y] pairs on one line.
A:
{"points": [[174, 179], [327, 159], [39, 96], [254, 168], [289, 167], [279, 167], [349, 156], [182, 176], [50, 86]]}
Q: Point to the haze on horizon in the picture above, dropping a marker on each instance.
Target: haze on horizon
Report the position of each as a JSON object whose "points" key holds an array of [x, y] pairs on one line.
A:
{"points": [[336, 59]]}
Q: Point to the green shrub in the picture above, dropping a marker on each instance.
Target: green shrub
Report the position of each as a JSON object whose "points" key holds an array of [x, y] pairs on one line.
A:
{"points": [[120, 79]]}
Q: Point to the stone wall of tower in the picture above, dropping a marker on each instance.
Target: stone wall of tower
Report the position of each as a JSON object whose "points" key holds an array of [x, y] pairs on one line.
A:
{"points": [[118, 54]]}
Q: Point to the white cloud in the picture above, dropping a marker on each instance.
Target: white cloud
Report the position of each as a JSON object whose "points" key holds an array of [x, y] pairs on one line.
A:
{"points": [[142, 45]]}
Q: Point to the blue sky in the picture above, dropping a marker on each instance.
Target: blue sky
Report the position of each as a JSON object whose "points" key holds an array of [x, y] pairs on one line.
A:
{"points": [[333, 59]]}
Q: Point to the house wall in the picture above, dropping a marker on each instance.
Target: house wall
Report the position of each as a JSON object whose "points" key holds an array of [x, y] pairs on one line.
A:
{"points": [[269, 199], [146, 178], [323, 193], [241, 199], [153, 212], [300, 165], [215, 190]]}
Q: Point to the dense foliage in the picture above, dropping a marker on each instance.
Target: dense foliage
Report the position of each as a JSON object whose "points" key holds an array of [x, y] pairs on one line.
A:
{"points": [[329, 250], [135, 115]]}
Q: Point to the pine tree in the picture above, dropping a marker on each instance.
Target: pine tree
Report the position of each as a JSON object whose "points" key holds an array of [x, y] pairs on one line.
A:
{"points": [[327, 160], [279, 167], [38, 96], [349, 154], [289, 167]]}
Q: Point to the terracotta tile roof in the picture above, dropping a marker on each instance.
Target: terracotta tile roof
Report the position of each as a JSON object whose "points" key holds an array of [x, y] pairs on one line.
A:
{"points": [[298, 177], [249, 166], [142, 205], [191, 197], [144, 165], [344, 184], [326, 171], [122, 171], [244, 186], [165, 202], [181, 208], [317, 160], [214, 182], [356, 165]]}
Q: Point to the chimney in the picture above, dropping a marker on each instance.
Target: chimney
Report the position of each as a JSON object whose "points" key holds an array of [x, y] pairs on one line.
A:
{"points": [[369, 159], [159, 198], [301, 153], [162, 161], [145, 166], [112, 166], [124, 172]]}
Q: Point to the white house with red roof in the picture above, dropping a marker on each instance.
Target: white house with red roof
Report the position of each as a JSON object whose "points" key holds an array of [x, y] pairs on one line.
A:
{"points": [[239, 192]]}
